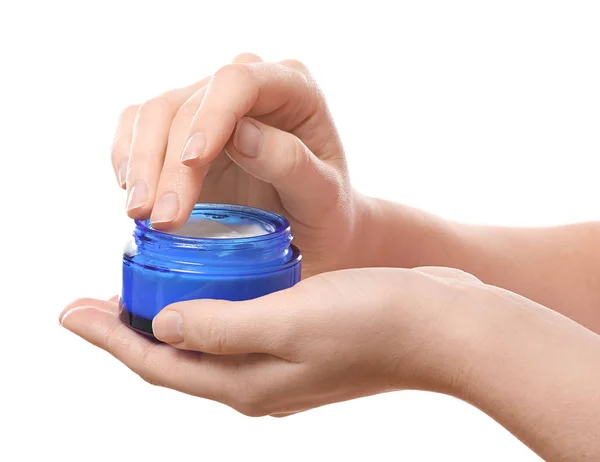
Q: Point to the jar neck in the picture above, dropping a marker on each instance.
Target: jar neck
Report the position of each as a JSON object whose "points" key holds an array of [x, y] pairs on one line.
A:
{"points": [[179, 250], [182, 252]]}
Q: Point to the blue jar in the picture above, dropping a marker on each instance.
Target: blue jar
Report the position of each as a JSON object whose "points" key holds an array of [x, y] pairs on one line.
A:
{"points": [[161, 268]]}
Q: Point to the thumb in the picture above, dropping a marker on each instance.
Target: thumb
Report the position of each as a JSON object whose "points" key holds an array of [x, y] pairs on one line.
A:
{"points": [[222, 327], [277, 157]]}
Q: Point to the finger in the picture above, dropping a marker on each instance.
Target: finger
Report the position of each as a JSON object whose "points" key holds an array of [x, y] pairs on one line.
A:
{"points": [[448, 273], [281, 159], [256, 89], [246, 58], [122, 143], [148, 145], [156, 363], [114, 299], [179, 186], [105, 305], [220, 327]]}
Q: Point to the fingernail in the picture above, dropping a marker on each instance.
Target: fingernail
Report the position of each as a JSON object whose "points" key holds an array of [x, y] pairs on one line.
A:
{"points": [[138, 196], [75, 309], [168, 327], [122, 174], [247, 139], [165, 209], [194, 148]]}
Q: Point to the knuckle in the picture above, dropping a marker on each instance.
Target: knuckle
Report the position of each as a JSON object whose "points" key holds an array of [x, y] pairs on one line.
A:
{"points": [[214, 337], [246, 58], [158, 105], [186, 112], [295, 64], [298, 159], [235, 71], [130, 111]]}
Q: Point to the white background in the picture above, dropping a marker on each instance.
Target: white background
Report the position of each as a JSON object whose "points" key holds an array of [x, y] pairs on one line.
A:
{"points": [[487, 112]]}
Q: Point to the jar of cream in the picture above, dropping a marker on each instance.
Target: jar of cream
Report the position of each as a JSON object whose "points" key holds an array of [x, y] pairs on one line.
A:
{"points": [[225, 252]]}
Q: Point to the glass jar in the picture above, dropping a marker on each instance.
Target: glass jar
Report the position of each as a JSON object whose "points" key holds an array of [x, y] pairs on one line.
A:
{"points": [[253, 257]]}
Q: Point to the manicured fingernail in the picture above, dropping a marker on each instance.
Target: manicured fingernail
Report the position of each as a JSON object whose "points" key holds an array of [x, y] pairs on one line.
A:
{"points": [[194, 148], [165, 209], [247, 139], [138, 196], [168, 327], [75, 309], [122, 174]]}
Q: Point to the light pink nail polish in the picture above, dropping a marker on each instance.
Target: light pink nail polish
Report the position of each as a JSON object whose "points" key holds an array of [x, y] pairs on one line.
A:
{"points": [[247, 139], [165, 209], [122, 174], [138, 196], [194, 148], [168, 327]]}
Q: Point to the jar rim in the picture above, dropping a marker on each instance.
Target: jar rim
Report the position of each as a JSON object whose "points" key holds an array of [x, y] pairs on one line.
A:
{"points": [[281, 228]]}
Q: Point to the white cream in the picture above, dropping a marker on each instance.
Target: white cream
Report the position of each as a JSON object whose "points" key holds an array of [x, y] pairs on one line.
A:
{"points": [[212, 229]]}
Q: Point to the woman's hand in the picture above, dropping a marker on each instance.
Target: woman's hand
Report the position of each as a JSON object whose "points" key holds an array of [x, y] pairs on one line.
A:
{"points": [[254, 133], [333, 337], [342, 335]]}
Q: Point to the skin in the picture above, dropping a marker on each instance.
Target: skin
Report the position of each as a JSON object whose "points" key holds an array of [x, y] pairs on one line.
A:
{"points": [[260, 134]]}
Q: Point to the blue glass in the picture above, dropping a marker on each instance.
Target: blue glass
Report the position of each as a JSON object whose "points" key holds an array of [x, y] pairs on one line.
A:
{"points": [[161, 268]]}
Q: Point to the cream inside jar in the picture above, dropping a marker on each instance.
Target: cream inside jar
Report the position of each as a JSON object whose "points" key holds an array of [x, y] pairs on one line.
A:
{"points": [[209, 228]]}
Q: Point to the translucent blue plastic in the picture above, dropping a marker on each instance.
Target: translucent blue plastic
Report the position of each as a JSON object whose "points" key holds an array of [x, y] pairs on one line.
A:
{"points": [[161, 268]]}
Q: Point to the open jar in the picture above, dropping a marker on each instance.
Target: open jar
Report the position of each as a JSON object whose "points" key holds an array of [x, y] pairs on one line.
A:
{"points": [[225, 252]]}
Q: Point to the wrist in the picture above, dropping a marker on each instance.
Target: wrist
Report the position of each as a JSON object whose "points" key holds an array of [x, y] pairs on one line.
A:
{"points": [[388, 234], [437, 329]]}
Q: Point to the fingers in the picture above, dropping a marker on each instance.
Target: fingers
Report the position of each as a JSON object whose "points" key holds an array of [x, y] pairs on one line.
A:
{"points": [[280, 158], [248, 383], [448, 273], [218, 327], [122, 144], [256, 89], [149, 141], [150, 134], [246, 58], [193, 124], [156, 363], [105, 305], [179, 186]]}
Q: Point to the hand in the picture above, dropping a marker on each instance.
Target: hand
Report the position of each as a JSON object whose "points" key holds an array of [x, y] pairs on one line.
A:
{"points": [[333, 337], [254, 133]]}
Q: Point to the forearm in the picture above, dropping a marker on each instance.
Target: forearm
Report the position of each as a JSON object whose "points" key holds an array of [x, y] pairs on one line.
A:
{"points": [[536, 372], [557, 267]]}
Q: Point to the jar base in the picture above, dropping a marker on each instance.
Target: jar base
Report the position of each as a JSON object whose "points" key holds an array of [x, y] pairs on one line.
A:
{"points": [[137, 323]]}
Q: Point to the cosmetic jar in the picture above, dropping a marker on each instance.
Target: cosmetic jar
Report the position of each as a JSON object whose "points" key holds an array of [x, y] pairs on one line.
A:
{"points": [[225, 252]]}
